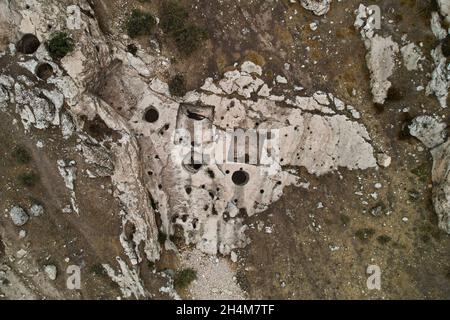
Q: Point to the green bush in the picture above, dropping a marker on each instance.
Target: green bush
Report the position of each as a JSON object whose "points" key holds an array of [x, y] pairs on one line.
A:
{"points": [[21, 155], [190, 38], [184, 277], [29, 179], [140, 23], [173, 16], [177, 86], [60, 45]]}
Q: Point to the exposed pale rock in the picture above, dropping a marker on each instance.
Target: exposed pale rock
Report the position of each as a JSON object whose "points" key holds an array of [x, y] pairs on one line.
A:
{"points": [[431, 131], [441, 184], [127, 279], [36, 210], [428, 129], [444, 6], [381, 53], [68, 173], [439, 84], [250, 67], [4, 98], [99, 157], [51, 271], [381, 63], [148, 168], [21, 253], [281, 79], [412, 55], [318, 7], [383, 160], [22, 234]]}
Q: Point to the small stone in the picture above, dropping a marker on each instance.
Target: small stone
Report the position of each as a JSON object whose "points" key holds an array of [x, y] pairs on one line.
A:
{"points": [[22, 234], [414, 195], [21, 253], [334, 248], [36, 210], [405, 219], [378, 185], [313, 26], [18, 216], [281, 80], [384, 160], [234, 257], [51, 271], [378, 210]]}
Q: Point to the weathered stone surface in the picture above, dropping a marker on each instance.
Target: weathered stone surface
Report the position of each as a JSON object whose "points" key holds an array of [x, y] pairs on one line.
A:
{"points": [[381, 53], [37, 210], [101, 79], [429, 130], [439, 84], [18, 216], [441, 184], [51, 271], [319, 7]]}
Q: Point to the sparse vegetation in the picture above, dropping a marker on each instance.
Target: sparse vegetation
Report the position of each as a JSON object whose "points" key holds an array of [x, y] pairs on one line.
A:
{"points": [[190, 38], [187, 37], [184, 278], [140, 23], [422, 172], [364, 234], [98, 270], [29, 179], [177, 86], [383, 239], [60, 45], [345, 220], [173, 16], [21, 155]]}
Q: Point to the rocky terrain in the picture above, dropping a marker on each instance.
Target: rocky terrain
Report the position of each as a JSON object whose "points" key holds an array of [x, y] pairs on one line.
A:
{"points": [[224, 149]]}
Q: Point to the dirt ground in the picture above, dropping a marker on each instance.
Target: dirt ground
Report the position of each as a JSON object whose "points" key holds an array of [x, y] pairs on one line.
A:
{"points": [[322, 239]]}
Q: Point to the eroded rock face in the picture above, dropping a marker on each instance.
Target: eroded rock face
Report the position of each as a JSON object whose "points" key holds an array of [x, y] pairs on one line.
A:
{"points": [[431, 132], [439, 84], [210, 199], [158, 136], [441, 184]]}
